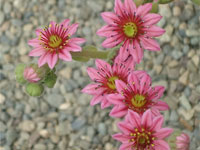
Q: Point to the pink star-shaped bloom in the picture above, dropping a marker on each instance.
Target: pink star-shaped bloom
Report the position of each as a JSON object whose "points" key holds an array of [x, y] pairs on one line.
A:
{"points": [[104, 77], [138, 95], [54, 42], [133, 27], [143, 132]]}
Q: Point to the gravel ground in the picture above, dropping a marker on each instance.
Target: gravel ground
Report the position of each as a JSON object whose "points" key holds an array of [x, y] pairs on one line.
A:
{"points": [[62, 118]]}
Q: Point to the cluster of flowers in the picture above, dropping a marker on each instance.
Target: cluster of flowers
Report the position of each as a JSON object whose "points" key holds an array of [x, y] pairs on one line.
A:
{"points": [[128, 91]]}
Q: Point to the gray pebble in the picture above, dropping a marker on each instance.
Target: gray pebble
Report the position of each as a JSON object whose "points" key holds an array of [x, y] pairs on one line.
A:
{"points": [[78, 123], [11, 136], [102, 129], [7, 7], [55, 100], [2, 17]]}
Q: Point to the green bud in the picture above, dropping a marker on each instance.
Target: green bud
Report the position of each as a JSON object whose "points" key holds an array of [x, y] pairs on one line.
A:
{"points": [[19, 73], [34, 89], [50, 80]]}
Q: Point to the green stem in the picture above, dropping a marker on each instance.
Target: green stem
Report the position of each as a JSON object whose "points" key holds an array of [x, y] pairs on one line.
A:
{"points": [[90, 54], [164, 1]]}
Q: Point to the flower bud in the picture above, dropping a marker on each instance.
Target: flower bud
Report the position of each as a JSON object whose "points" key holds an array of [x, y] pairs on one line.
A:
{"points": [[19, 73], [34, 89], [30, 75], [179, 140]]}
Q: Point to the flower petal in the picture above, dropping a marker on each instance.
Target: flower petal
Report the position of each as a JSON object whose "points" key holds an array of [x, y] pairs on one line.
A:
{"points": [[126, 146], [145, 83], [134, 118], [52, 60], [150, 44], [163, 133], [109, 17], [43, 59], [73, 47], [119, 7], [105, 103], [37, 52], [154, 31], [119, 111], [120, 86], [133, 81], [96, 99], [93, 89], [65, 55], [156, 93], [77, 40], [34, 42], [157, 123], [121, 137], [103, 66], [161, 145], [151, 19], [93, 73], [144, 9], [147, 119], [116, 99], [125, 127], [72, 29], [130, 6], [65, 23], [107, 31], [161, 105], [113, 41]]}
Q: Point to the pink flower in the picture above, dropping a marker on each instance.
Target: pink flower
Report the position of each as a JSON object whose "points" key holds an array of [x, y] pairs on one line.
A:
{"points": [[137, 95], [142, 132], [104, 77], [30, 75], [182, 142], [134, 27], [54, 42]]}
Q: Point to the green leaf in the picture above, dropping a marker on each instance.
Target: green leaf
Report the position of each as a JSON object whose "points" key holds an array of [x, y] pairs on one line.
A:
{"points": [[50, 80], [154, 8], [89, 48], [34, 89], [87, 53], [19, 73], [196, 2], [81, 58]]}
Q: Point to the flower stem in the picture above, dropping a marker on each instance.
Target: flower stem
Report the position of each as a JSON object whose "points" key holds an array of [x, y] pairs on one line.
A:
{"points": [[165, 1], [91, 54]]}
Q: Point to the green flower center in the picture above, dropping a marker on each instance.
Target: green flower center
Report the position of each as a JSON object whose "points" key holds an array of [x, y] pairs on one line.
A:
{"points": [[111, 82], [54, 41], [138, 100], [130, 29], [141, 140]]}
